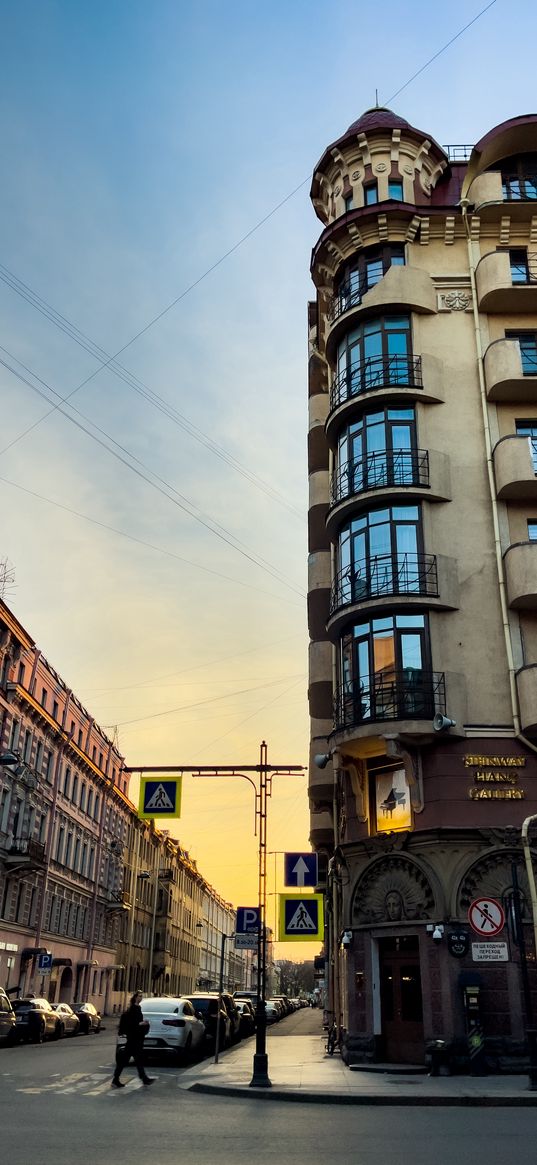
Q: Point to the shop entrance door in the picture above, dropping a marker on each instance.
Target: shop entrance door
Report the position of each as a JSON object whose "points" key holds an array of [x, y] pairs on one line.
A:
{"points": [[401, 1002]]}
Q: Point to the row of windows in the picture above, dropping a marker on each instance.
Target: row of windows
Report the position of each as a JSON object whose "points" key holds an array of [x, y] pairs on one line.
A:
{"points": [[371, 193]]}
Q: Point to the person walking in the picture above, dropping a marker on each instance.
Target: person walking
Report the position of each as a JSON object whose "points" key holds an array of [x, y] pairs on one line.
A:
{"points": [[132, 1025]]}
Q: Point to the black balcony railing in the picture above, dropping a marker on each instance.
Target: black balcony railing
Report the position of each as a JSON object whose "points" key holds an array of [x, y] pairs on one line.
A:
{"points": [[399, 468], [385, 574], [375, 373], [520, 187], [26, 851], [458, 153], [350, 294], [411, 694]]}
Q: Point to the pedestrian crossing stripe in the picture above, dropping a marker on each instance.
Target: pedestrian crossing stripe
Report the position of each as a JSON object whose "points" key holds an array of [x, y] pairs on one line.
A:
{"points": [[160, 796], [94, 1084], [301, 918]]}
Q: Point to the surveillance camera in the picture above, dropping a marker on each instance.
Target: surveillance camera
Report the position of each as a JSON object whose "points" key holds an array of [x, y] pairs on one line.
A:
{"points": [[321, 759], [438, 933]]}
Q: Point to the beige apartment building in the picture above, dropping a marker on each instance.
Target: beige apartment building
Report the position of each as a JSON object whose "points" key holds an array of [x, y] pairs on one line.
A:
{"points": [[423, 578]]}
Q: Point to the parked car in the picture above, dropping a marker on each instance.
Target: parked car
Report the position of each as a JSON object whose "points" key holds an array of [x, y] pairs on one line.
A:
{"points": [[174, 1028], [207, 1007], [272, 1013], [246, 1017], [234, 1016], [36, 1020], [69, 1021], [90, 1018], [8, 1019]]}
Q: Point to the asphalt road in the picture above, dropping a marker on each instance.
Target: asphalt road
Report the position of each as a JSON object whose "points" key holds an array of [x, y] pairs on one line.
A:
{"points": [[57, 1108]]}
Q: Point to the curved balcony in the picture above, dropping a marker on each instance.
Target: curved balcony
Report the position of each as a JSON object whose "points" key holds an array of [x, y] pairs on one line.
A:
{"points": [[386, 378], [401, 288], [492, 195], [526, 682], [496, 291], [417, 473], [384, 575], [509, 376], [374, 374], [409, 695], [515, 461], [521, 575], [388, 580]]}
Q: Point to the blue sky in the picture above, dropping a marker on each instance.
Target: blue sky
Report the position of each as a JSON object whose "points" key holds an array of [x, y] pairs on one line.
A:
{"points": [[139, 143]]}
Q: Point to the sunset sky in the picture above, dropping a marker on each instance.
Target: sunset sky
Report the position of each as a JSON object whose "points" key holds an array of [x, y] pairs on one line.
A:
{"points": [[158, 529]]}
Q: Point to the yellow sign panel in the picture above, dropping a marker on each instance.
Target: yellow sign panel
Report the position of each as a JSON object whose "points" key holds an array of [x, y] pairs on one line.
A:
{"points": [[160, 796], [301, 918]]}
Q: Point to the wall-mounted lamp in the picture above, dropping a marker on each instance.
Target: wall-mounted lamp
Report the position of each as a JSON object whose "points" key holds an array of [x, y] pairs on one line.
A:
{"points": [[346, 939], [436, 931]]}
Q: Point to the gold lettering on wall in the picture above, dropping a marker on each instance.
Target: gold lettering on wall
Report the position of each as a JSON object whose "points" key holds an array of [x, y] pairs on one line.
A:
{"points": [[491, 770]]}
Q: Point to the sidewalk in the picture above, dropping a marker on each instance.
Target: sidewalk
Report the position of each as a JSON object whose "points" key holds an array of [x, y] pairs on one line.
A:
{"points": [[301, 1071]]}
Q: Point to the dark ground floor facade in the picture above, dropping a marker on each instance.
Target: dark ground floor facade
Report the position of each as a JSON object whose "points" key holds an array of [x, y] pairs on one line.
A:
{"points": [[414, 972]]}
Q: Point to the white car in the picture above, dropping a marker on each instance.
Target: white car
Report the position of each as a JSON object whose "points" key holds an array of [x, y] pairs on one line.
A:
{"points": [[174, 1027]]}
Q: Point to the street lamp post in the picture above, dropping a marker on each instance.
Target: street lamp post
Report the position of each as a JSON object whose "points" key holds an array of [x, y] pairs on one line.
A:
{"points": [[220, 992], [263, 790]]}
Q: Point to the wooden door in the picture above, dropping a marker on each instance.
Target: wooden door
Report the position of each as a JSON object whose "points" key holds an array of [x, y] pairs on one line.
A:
{"points": [[401, 1000]]}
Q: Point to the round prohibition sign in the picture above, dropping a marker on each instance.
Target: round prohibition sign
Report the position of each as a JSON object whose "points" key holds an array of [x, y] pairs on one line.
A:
{"points": [[486, 916]]}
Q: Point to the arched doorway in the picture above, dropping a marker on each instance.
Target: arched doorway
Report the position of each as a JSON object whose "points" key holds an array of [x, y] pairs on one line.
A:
{"points": [[66, 985]]}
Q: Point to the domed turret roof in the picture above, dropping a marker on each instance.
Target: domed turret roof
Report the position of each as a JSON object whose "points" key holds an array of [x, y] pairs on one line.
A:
{"points": [[378, 118]]}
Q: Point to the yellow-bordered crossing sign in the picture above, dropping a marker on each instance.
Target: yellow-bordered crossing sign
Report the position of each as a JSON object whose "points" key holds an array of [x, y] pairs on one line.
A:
{"points": [[160, 796], [301, 918]]}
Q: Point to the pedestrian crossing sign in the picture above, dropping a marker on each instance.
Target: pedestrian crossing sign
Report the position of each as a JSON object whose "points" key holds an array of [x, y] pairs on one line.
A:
{"points": [[160, 796], [301, 918]]}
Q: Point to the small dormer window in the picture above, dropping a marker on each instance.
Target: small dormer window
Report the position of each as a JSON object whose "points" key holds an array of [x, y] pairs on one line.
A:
{"points": [[395, 189], [371, 194]]}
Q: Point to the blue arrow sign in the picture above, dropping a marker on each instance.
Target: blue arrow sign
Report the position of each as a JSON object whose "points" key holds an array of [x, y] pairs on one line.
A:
{"points": [[247, 919], [301, 870]]}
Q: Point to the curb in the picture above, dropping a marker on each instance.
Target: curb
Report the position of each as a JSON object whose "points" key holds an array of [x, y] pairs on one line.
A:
{"points": [[377, 1099]]}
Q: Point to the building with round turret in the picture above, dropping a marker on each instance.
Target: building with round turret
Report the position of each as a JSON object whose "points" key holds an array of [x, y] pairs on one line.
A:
{"points": [[422, 597]]}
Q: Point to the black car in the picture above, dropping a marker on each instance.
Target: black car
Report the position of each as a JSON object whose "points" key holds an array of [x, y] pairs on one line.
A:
{"points": [[36, 1020], [8, 1020], [246, 1016], [90, 1018], [234, 1016], [206, 1005]]}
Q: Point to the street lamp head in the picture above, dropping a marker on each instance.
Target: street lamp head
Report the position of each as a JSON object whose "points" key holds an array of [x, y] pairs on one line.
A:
{"points": [[321, 759]]}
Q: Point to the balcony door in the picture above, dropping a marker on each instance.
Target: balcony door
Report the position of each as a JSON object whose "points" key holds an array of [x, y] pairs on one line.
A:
{"points": [[375, 354], [380, 554], [378, 450], [385, 669]]}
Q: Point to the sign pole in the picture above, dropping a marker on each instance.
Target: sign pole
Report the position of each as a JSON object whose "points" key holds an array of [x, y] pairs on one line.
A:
{"points": [[260, 1077]]}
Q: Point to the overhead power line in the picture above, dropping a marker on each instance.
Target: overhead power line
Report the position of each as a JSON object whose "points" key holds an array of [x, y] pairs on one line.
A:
{"points": [[440, 51], [160, 403], [178, 500]]}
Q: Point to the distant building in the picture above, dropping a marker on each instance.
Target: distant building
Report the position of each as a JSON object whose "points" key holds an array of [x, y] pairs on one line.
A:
{"points": [[423, 574], [116, 902]]}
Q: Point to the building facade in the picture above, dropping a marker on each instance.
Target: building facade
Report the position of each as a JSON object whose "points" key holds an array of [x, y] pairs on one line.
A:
{"points": [[117, 903], [423, 576]]}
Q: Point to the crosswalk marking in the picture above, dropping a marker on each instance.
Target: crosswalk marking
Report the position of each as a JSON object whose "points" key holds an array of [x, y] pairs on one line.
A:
{"points": [[85, 1084]]}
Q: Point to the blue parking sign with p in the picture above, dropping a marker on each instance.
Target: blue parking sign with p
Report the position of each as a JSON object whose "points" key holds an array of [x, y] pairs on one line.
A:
{"points": [[247, 919]]}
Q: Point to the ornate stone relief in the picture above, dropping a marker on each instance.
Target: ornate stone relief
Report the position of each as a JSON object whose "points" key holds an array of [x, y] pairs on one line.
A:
{"points": [[492, 876], [454, 300], [394, 889], [355, 175]]}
